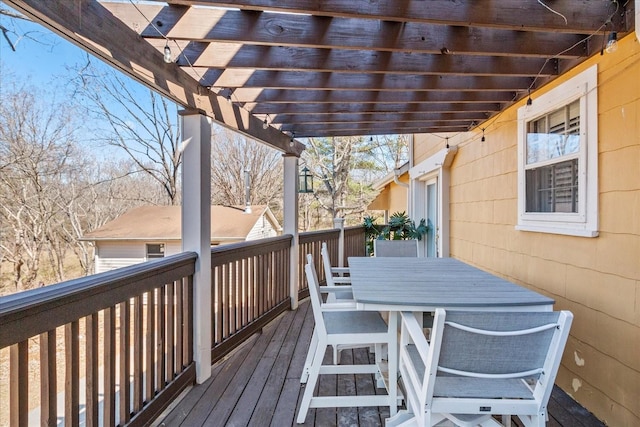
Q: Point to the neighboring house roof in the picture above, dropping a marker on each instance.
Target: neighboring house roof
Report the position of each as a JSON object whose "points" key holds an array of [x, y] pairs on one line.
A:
{"points": [[389, 178], [165, 223]]}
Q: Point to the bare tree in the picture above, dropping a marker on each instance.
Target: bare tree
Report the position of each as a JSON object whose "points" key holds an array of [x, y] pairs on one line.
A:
{"points": [[38, 143], [138, 121], [344, 169], [231, 155]]}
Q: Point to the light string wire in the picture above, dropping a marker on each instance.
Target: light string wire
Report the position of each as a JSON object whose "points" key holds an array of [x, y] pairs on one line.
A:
{"points": [[166, 38], [588, 37], [200, 78], [591, 35]]}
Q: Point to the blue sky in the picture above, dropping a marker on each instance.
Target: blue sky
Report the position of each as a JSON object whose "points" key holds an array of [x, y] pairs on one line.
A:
{"points": [[40, 55], [40, 63]]}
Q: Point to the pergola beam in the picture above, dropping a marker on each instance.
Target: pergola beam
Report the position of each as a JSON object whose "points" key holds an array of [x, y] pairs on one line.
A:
{"points": [[89, 25], [583, 16]]}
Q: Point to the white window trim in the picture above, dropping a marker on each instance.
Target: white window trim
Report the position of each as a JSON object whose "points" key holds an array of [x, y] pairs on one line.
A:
{"points": [[585, 222]]}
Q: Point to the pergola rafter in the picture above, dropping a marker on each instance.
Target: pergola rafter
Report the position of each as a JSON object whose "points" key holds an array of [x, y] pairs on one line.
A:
{"points": [[340, 67]]}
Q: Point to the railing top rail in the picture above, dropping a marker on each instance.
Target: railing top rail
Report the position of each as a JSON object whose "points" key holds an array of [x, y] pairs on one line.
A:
{"points": [[235, 251], [312, 236], [31, 312]]}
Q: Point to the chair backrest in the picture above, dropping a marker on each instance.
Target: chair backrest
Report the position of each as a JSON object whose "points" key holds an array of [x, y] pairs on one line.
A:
{"points": [[495, 347], [395, 248], [326, 264], [316, 296]]}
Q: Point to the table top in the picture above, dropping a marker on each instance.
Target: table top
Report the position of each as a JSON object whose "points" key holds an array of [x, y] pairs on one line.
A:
{"points": [[415, 284]]}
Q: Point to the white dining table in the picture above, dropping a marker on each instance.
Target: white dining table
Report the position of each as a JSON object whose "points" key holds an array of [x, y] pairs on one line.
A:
{"points": [[423, 284]]}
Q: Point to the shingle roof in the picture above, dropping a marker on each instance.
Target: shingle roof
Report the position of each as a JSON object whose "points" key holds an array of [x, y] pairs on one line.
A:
{"points": [[164, 222]]}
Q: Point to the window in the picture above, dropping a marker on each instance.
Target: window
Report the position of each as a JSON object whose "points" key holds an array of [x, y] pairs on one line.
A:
{"points": [[155, 250], [557, 151]]}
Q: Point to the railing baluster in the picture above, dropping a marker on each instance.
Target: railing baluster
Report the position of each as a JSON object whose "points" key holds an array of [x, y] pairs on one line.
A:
{"points": [[237, 325], [91, 367], [160, 357], [179, 325], [188, 315], [150, 346], [138, 334], [109, 326], [124, 363], [170, 345], [19, 384], [253, 274], [48, 380], [72, 375]]}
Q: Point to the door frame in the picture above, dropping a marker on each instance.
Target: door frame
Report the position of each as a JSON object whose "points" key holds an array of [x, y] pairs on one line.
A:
{"points": [[435, 167]]}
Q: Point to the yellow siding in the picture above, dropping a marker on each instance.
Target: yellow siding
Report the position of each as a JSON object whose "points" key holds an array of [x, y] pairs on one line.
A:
{"points": [[596, 278], [393, 197]]}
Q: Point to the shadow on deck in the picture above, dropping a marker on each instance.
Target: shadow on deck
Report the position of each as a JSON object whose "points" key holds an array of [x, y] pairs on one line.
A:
{"points": [[259, 385]]}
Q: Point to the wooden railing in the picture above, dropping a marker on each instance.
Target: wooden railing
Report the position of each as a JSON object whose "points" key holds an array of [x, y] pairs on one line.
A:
{"points": [[120, 342], [250, 287], [310, 242], [117, 347], [354, 243]]}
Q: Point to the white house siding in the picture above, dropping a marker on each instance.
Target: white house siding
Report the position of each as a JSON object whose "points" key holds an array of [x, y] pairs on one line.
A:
{"points": [[262, 229], [117, 254]]}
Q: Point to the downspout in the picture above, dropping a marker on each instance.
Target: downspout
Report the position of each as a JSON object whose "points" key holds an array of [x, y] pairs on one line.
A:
{"points": [[397, 181]]}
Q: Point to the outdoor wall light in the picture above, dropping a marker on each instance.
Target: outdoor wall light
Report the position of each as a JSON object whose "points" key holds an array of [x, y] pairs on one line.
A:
{"points": [[167, 53], [612, 43], [305, 181]]}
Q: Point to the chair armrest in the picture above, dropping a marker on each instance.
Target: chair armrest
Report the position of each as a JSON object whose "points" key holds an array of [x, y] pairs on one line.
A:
{"points": [[348, 305], [338, 280], [339, 270], [329, 289]]}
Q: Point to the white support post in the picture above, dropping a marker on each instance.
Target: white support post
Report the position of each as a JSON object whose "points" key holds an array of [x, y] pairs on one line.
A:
{"points": [[196, 230], [339, 224], [291, 222]]}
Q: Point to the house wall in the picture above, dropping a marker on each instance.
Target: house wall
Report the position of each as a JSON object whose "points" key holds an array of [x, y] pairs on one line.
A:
{"points": [[598, 279], [399, 195], [117, 254], [262, 229]]}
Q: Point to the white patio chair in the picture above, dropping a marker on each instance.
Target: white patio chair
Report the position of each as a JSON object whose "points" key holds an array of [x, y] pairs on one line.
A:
{"points": [[335, 326], [395, 248], [333, 276], [480, 364]]}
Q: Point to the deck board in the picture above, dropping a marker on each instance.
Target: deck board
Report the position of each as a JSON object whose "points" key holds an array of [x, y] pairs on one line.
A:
{"points": [[258, 385]]}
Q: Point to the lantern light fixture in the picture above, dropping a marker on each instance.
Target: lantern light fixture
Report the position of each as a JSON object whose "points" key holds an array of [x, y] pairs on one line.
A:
{"points": [[305, 181]]}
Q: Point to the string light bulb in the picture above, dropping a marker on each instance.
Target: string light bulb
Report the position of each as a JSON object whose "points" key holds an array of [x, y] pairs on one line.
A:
{"points": [[482, 139], [167, 53], [612, 43], [265, 124], [529, 100]]}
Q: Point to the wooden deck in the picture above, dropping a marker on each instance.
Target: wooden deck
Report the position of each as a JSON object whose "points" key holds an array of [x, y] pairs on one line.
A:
{"points": [[259, 385]]}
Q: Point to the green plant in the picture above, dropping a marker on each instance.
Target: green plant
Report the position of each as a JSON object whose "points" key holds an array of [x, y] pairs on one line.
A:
{"points": [[400, 227]]}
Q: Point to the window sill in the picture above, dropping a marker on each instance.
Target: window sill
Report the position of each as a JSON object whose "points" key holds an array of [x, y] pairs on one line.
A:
{"points": [[557, 230]]}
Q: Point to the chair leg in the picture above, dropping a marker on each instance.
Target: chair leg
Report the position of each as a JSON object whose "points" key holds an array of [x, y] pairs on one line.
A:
{"points": [[314, 372], [307, 363], [336, 355]]}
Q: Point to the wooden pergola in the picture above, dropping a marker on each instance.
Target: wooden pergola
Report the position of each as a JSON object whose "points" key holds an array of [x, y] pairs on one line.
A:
{"points": [[277, 70]]}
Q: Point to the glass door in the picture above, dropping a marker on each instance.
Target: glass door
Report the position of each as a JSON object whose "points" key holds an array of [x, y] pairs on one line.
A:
{"points": [[432, 218]]}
